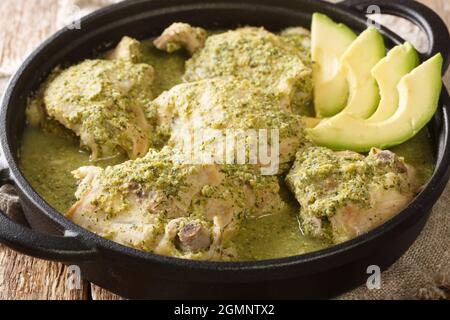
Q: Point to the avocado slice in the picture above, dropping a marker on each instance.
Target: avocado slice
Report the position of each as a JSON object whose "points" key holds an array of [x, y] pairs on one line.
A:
{"points": [[357, 63], [419, 93], [329, 41], [400, 61]]}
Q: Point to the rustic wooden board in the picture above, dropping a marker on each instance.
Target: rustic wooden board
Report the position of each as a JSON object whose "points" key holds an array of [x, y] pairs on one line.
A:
{"points": [[24, 278], [98, 293], [21, 277], [28, 23]]}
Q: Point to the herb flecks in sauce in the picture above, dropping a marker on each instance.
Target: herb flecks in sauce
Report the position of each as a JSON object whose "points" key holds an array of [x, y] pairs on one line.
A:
{"points": [[47, 159]]}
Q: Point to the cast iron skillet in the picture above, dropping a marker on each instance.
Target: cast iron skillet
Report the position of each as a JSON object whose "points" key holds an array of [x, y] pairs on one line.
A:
{"points": [[135, 274]]}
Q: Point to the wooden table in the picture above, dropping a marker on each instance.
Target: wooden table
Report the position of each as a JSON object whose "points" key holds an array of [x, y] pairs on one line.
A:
{"points": [[22, 277]]}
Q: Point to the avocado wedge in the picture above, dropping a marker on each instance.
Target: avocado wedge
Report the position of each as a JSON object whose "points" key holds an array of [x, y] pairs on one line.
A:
{"points": [[329, 41], [400, 61], [419, 93], [357, 64]]}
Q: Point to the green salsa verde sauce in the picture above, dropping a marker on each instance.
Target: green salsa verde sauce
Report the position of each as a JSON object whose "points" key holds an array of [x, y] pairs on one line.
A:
{"points": [[47, 161], [169, 68]]}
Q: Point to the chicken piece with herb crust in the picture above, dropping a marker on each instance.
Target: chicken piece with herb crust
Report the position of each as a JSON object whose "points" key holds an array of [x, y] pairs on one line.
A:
{"points": [[128, 49], [300, 38], [181, 36], [103, 103], [344, 194], [225, 104], [155, 204], [271, 62]]}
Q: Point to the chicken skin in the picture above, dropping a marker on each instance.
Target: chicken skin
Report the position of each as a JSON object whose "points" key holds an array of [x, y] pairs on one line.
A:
{"points": [[300, 38], [223, 104], [103, 103], [156, 205], [344, 194], [181, 36], [272, 63], [128, 49]]}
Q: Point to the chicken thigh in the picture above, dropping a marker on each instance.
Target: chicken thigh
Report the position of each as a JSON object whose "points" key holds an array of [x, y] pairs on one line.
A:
{"points": [[128, 49], [103, 103], [157, 205], [181, 35], [227, 104], [344, 194], [272, 63], [300, 38]]}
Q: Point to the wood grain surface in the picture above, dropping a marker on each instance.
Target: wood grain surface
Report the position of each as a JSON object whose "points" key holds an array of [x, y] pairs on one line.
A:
{"points": [[23, 277]]}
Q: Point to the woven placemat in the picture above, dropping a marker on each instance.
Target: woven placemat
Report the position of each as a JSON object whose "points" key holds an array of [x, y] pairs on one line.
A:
{"points": [[422, 273]]}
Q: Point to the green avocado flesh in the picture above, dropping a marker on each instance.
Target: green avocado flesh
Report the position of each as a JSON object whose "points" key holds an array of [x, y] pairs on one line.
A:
{"points": [[357, 64], [419, 93], [388, 72], [329, 41]]}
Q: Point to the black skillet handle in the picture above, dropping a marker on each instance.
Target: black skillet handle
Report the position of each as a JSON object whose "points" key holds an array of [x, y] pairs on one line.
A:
{"points": [[39, 245], [43, 246], [421, 15]]}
